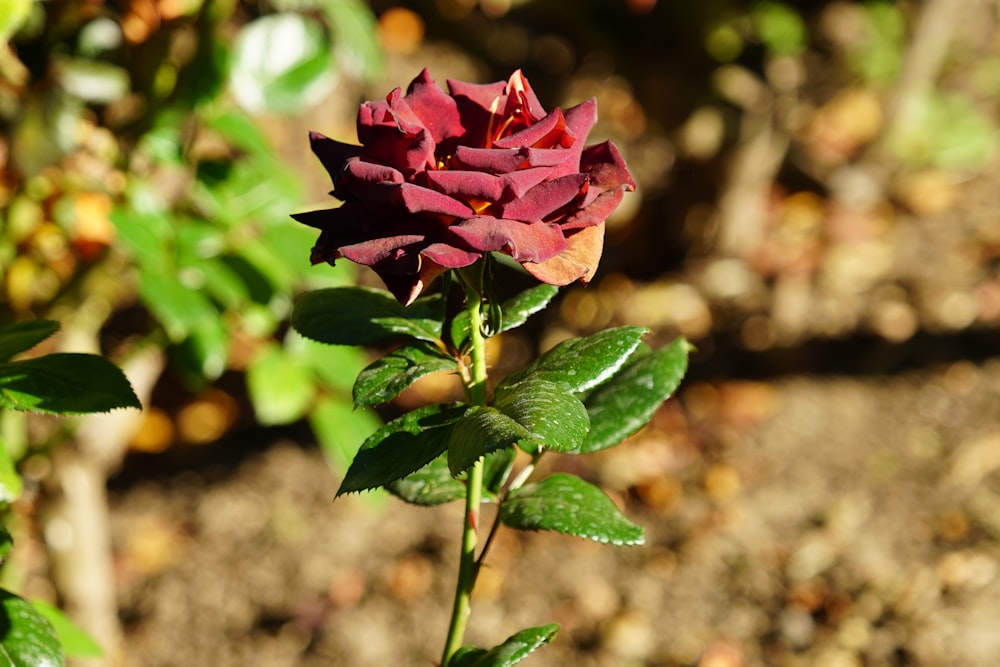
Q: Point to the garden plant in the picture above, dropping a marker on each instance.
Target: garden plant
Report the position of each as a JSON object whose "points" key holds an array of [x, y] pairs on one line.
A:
{"points": [[461, 187]]}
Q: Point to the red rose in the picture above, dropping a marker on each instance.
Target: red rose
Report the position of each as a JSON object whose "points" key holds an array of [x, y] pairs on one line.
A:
{"points": [[441, 178]]}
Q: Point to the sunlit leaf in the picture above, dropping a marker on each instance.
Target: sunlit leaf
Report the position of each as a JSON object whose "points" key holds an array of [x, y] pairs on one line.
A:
{"points": [[28, 639], [567, 504], [481, 431], [582, 363], [76, 643], [628, 401], [549, 412], [281, 389], [514, 649], [359, 316]]}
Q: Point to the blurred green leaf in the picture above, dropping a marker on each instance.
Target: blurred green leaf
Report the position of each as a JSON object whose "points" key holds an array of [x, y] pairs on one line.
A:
{"points": [[581, 363], [23, 336], [281, 63], [178, 308], [551, 414], [947, 131], [147, 236], [65, 383], [76, 643], [384, 379], [355, 36], [567, 504], [28, 639], [627, 402], [340, 429], [780, 27], [281, 389], [11, 486], [239, 130], [401, 447], [514, 649], [13, 14]]}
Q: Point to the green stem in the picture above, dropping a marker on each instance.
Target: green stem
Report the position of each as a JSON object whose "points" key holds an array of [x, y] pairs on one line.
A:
{"points": [[476, 390]]}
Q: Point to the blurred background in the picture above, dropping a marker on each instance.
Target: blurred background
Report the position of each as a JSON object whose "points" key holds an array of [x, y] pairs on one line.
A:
{"points": [[817, 212]]}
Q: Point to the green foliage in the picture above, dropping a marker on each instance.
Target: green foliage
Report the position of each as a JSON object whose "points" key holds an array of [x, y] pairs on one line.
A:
{"points": [[779, 27], [24, 336], [554, 418], [361, 316], [75, 642], [513, 650], [66, 383], [29, 639], [567, 504], [481, 431], [384, 379]]}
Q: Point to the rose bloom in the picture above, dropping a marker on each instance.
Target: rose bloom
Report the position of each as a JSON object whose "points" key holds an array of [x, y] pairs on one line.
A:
{"points": [[442, 178]]}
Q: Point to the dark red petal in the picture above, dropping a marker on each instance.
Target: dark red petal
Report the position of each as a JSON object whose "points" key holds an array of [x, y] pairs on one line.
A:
{"points": [[492, 160], [370, 172], [525, 242], [466, 185], [331, 153], [449, 256], [437, 110], [595, 212], [519, 92], [550, 157], [548, 132], [606, 167], [578, 262], [349, 218], [480, 95], [517, 183], [545, 198], [407, 286], [415, 199], [580, 120], [382, 251]]}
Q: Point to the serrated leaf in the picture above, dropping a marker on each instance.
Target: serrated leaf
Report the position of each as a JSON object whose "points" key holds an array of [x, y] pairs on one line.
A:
{"points": [[76, 643], [359, 316], [482, 430], [24, 336], [28, 639], [514, 649], [65, 383], [567, 504], [555, 418], [280, 389], [434, 485], [401, 447], [384, 379], [628, 401], [582, 363], [431, 485]]}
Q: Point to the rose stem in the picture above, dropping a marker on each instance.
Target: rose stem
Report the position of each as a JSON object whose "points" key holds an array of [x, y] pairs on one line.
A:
{"points": [[476, 390]]}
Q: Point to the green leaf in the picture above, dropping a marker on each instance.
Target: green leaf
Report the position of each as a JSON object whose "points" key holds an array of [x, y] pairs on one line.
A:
{"points": [[28, 639], [280, 389], [340, 429], [514, 649], [175, 305], [567, 504], [434, 485], [482, 430], [431, 485], [552, 415], [10, 488], [24, 336], [281, 63], [516, 312], [582, 363], [518, 309], [75, 641], [65, 383], [383, 380], [401, 447], [354, 31], [628, 401], [6, 542], [359, 316]]}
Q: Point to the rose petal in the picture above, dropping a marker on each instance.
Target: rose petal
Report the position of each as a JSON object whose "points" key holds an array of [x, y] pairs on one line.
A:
{"points": [[545, 198], [517, 183], [596, 212], [406, 287], [380, 250], [467, 185], [546, 133], [449, 256], [369, 172], [606, 167], [436, 110], [414, 199], [331, 153], [520, 93], [578, 262], [492, 160], [534, 242]]}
